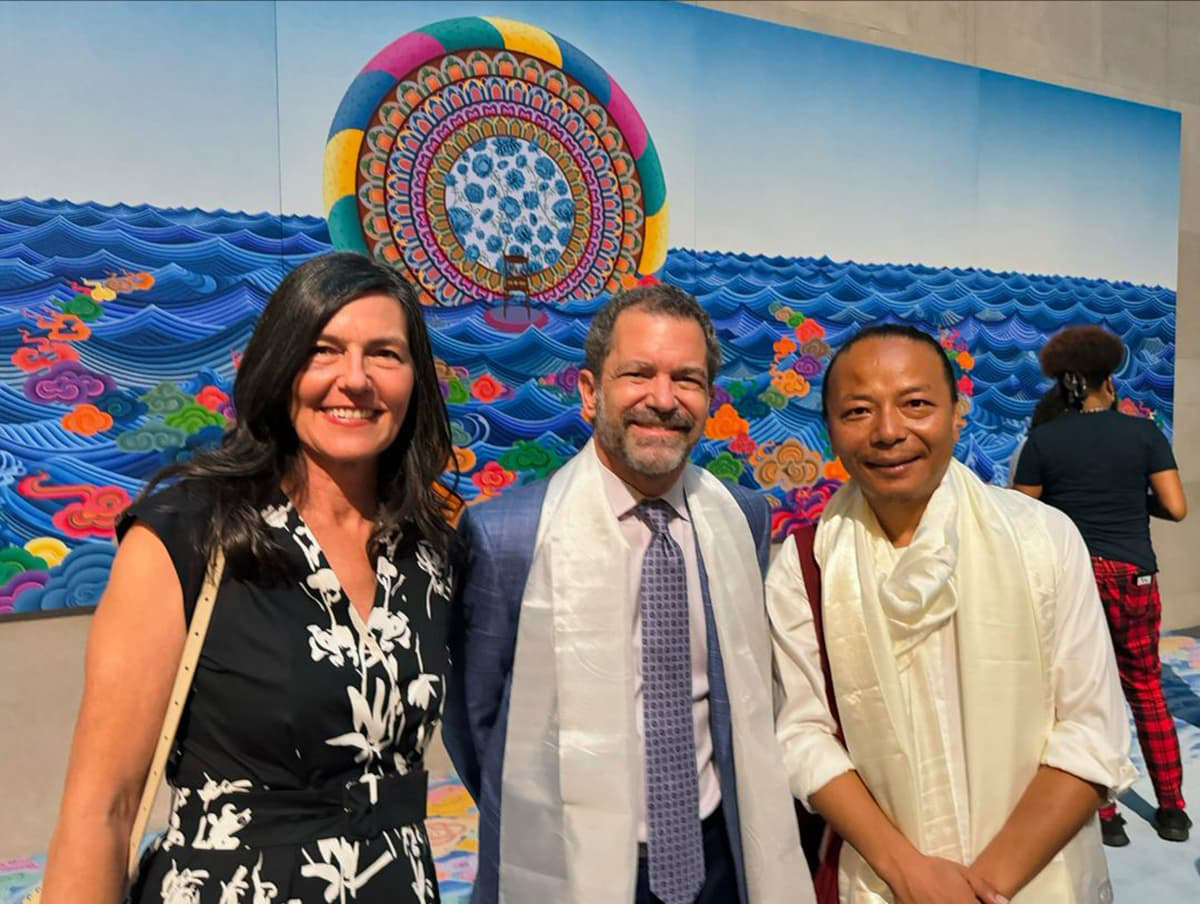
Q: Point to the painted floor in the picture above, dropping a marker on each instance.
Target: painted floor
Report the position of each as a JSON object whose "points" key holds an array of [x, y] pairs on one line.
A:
{"points": [[1149, 869]]}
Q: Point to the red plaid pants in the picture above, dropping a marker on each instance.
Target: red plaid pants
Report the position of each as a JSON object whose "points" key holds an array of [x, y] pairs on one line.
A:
{"points": [[1134, 612]]}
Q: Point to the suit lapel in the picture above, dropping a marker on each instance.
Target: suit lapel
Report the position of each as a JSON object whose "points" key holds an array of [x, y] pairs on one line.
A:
{"points": [[720, 727]]}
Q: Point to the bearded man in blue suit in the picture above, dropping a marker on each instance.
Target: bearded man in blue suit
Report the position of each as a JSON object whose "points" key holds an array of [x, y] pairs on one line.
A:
{"points": [[611, 708]]}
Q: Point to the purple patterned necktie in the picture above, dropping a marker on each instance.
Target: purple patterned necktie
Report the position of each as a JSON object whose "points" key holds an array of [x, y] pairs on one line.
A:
{"points": [[674, 846]]}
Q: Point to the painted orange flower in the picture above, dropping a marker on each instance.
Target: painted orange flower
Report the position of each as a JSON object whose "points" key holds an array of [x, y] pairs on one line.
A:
{"points": [[465, 459], [487, 388], [835, 470], [783, 347], [791, 384], [87, 420], [965, 361], [790, 465], [491, 479], [725, 424]]}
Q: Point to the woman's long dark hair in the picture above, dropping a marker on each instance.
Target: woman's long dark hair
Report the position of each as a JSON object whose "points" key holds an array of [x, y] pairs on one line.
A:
{"points": [[238, 478], [1049, 407]]}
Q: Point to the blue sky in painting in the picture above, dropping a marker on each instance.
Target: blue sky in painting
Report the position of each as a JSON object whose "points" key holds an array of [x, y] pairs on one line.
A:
{"points": [[773, 140]]}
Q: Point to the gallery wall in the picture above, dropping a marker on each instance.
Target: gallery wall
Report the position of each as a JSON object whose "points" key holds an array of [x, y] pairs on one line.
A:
{"points": [[898, 232]]}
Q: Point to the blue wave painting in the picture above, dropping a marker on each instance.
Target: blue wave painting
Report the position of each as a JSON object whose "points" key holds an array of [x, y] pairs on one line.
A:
{"points": [[121, 327]]}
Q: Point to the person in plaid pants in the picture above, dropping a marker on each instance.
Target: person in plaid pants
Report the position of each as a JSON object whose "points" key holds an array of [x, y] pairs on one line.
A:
{"points": [[1134, 611], [1109, 472]]}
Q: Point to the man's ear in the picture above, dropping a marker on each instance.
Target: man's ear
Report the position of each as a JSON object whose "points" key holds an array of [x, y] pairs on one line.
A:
{"points": [[587, 394]]}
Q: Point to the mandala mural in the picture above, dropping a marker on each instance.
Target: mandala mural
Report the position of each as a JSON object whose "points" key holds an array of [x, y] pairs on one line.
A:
{"points": [[488, 159]]}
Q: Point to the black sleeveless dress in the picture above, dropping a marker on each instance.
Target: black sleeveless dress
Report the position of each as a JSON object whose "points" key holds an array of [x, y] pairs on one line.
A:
{"points": [[298, 773]]}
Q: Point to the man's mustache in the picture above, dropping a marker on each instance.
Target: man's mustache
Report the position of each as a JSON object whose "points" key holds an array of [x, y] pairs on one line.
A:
{"points": [[677, 420]]}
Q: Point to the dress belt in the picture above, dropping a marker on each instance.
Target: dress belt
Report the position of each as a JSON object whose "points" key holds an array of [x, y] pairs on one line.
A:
{"points": [[358, 809]]}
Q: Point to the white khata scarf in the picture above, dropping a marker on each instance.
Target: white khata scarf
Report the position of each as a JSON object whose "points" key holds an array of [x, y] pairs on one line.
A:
{"points": [[571, 764], [967, 563]]}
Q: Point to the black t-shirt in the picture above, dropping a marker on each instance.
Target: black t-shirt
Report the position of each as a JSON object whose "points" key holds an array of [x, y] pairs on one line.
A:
{"points": [[1095, 467]]}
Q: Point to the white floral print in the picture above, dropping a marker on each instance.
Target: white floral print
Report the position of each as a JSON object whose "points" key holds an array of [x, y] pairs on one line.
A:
{"points": [[430, 561], [218, 830], [232, 891], [373, 721], [390, 628], [386, 571], [275, 515], [336, 642], [261, 892], [339, 867], [389, 695], [213, 789], [420, 690], [174, 834], [325, 582], [307, 543], [422, 885], [182, 886]]}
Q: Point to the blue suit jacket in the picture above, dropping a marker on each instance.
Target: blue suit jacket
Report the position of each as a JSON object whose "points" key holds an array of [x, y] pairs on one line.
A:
{"points": [[500, 538]]}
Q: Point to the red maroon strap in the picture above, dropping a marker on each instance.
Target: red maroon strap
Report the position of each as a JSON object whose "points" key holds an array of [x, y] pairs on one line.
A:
{"points": [[812, 583], [825, 877]]}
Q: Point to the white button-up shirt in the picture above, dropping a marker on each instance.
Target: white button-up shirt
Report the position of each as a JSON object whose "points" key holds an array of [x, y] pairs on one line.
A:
{"points": [[623, 498]]}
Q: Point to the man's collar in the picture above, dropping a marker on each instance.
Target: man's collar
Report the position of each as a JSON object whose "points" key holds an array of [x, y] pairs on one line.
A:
{"points": [[622, 498]]}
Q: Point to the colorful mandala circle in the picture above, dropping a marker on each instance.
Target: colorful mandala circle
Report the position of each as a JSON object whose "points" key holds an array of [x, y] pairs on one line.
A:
{"points": [[485, 157]]}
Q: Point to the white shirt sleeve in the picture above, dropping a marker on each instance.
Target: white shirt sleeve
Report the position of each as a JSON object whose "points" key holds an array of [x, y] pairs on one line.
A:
{"points": [[812, 754], [1090, 737]]}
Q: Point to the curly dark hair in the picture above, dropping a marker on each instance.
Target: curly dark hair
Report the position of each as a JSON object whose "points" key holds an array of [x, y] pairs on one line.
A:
{"points": [[241, 475], [1079, 359], [656, 299]]}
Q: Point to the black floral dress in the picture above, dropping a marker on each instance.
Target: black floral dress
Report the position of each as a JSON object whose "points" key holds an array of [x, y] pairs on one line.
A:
{"points": [[298, 774]]}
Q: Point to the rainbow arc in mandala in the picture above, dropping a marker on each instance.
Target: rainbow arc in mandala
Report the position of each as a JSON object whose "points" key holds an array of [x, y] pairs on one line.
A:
{"points": [[481, 154]]}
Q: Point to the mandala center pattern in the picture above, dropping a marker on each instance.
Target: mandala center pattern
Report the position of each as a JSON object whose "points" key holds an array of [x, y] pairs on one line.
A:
{"points": [[487, 159], [509, 205]]}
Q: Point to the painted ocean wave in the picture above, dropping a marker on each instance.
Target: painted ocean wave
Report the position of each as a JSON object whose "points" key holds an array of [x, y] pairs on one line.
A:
{"points": [[121, 326]]}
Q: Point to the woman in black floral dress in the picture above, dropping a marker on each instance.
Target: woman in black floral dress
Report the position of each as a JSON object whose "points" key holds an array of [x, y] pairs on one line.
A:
{"points": [[298, 773]]}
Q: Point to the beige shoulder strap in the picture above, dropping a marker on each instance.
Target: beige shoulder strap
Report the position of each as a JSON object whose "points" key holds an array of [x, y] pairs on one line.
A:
{"points": [[179, 693]]}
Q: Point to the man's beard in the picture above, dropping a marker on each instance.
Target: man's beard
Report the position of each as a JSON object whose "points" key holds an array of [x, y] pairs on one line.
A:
{"points": [[653, 458]]}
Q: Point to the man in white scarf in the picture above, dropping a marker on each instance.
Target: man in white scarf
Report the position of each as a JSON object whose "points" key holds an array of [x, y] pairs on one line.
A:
{"points": [[975, 684], [607, 769]]}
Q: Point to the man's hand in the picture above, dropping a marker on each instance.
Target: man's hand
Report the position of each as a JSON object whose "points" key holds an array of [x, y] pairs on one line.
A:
{"points": [[933, 880], [1053, 808], [914, 878]]}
